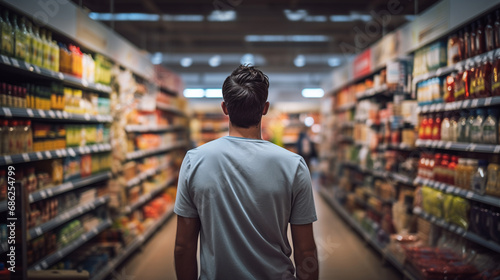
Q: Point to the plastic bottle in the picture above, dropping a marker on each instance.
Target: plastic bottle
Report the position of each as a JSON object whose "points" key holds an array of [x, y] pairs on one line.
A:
{"points": [[429, 127], [19, 47], [55, 56], [490, 128], [466, 82], [459, 173], [45, 47], [476, 132], [436, 128], [485, 76], [469, 170], [459, 93], [495, 74], [478, 179], [453, 49], [468, 126], [28, 137], [39, 47], [445, 128], [450, 88], [453, 127], [492, 185], [437, 169]]}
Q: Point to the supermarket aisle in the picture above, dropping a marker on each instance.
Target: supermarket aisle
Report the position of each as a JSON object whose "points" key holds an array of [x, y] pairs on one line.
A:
{"points": [[342, 253]]}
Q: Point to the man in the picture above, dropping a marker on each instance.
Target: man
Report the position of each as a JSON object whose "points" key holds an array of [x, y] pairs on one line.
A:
{"points": [[239, 193]]}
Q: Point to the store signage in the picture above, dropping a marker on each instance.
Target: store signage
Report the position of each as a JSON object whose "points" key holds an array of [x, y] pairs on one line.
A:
{"points": [[362, 64]]}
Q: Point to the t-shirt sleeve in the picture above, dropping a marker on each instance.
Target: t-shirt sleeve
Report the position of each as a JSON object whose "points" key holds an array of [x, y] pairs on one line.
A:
{"points": [[303, 210], [184, 205]]}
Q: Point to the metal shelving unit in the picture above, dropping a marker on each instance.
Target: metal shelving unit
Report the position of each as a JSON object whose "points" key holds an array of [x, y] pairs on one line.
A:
{"points": [[53, 115], [149, 152], [60, 153], [147, 197], [455, 146], [153, 128]]}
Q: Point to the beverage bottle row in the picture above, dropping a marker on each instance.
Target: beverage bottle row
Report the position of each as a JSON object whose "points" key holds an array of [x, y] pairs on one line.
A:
{"points": [[15, 137]]}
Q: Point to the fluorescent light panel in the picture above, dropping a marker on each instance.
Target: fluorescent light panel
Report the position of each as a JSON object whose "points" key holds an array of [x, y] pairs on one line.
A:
{"points": [[287, 38], [194, 93], [213, 93], [313, 92], [143, 17]]}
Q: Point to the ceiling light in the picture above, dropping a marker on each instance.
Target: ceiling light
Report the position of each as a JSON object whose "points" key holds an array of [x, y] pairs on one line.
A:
{"points": [[309, 121], [295, 15], [349, 18], [287, 38], [157, 58], [182, 17], [247, 59], [315, 18], [124, 17], [194, 93], [300, 61], [186, 61], [313, 92], [213, 93], [218, 15], [214, 61], [334, 62]]}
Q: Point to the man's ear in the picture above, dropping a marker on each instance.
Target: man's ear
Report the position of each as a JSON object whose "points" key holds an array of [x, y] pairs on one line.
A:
{"points": [[266, 108], [224, 108]]}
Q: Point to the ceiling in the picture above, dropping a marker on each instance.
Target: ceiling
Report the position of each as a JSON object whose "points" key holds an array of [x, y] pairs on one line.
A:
{"points": [[196, 32]]}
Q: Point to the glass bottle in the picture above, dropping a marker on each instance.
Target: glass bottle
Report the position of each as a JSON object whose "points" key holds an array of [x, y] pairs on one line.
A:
{"points": [[19, 52], [495, 75], [473, 33], [461, 45], [429, 127], [469, 170], [45, 50], [31, 43], [490, 127], [451, 170], [467, 43], [478, 179], [48, 46], [459, 92], [489, 34], [445, 161], [55, 56], [476, 133], [466, 81], [437, 170], [459, 173], [28, 137], [472, 80], [480, 37], [486, 73], [496, 29], [7, 35], [453, 49], [39, 47], [450, 88]]}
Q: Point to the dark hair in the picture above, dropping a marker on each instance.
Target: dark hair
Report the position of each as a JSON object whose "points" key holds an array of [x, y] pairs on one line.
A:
{"points": [[245, 94]]}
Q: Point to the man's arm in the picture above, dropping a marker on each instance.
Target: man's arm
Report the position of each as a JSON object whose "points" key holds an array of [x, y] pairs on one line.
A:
{"points": [[186, 245], [304, 252]]}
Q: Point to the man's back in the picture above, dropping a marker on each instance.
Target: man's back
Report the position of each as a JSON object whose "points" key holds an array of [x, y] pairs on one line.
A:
{"points": [[245, 192]]}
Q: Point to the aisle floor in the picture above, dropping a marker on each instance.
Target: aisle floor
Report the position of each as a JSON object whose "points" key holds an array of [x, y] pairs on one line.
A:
{"points": [[342, 253]]}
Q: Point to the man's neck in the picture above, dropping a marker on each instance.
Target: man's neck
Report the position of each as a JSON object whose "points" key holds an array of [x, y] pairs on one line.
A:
{"points": [[253, 132]]}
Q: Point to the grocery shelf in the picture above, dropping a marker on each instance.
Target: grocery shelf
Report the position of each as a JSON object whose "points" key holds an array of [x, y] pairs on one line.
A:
{"points": [[486, 199], [456, 146], [170, 108], [400, 178], [56, 115], [147, 197], [372, 92], [149, 152], [153, 128], [144, 175], [40, 72], [458, 230], [168, 91], [134, 245], [213, 130], [445, 70], [60, 153], [371, 239], [345, 107], [66, 216], [460, 105], [400, 146], [69, 186], [57, 256]]}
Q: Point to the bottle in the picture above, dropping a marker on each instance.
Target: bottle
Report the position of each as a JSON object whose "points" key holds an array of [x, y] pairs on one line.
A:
{"points": [[11, 147], [478, 179], [26, 38], [19, 51], [476, 132], [445, 161], [453, 130], [48, 45], [31, 41], [493, 177], [28, 137], [466, 81], [468, 126], [459, 173], [490, 127], [429, 127], [438, 168], [10, 97], [496, 29], [39, 47], [5, 137], [45, 50], [469, 170], [436, 128], [451, 170], [480, 37], [461, 45], [459, 93], [489, 37], [453, 49], [473, 30], [495, 75], [1, 143], [467, 43], [445, 128], [55, 56], [3, 95], [431, 166], [472, 79], [449, 95], [486, 73], [7, 35]]}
